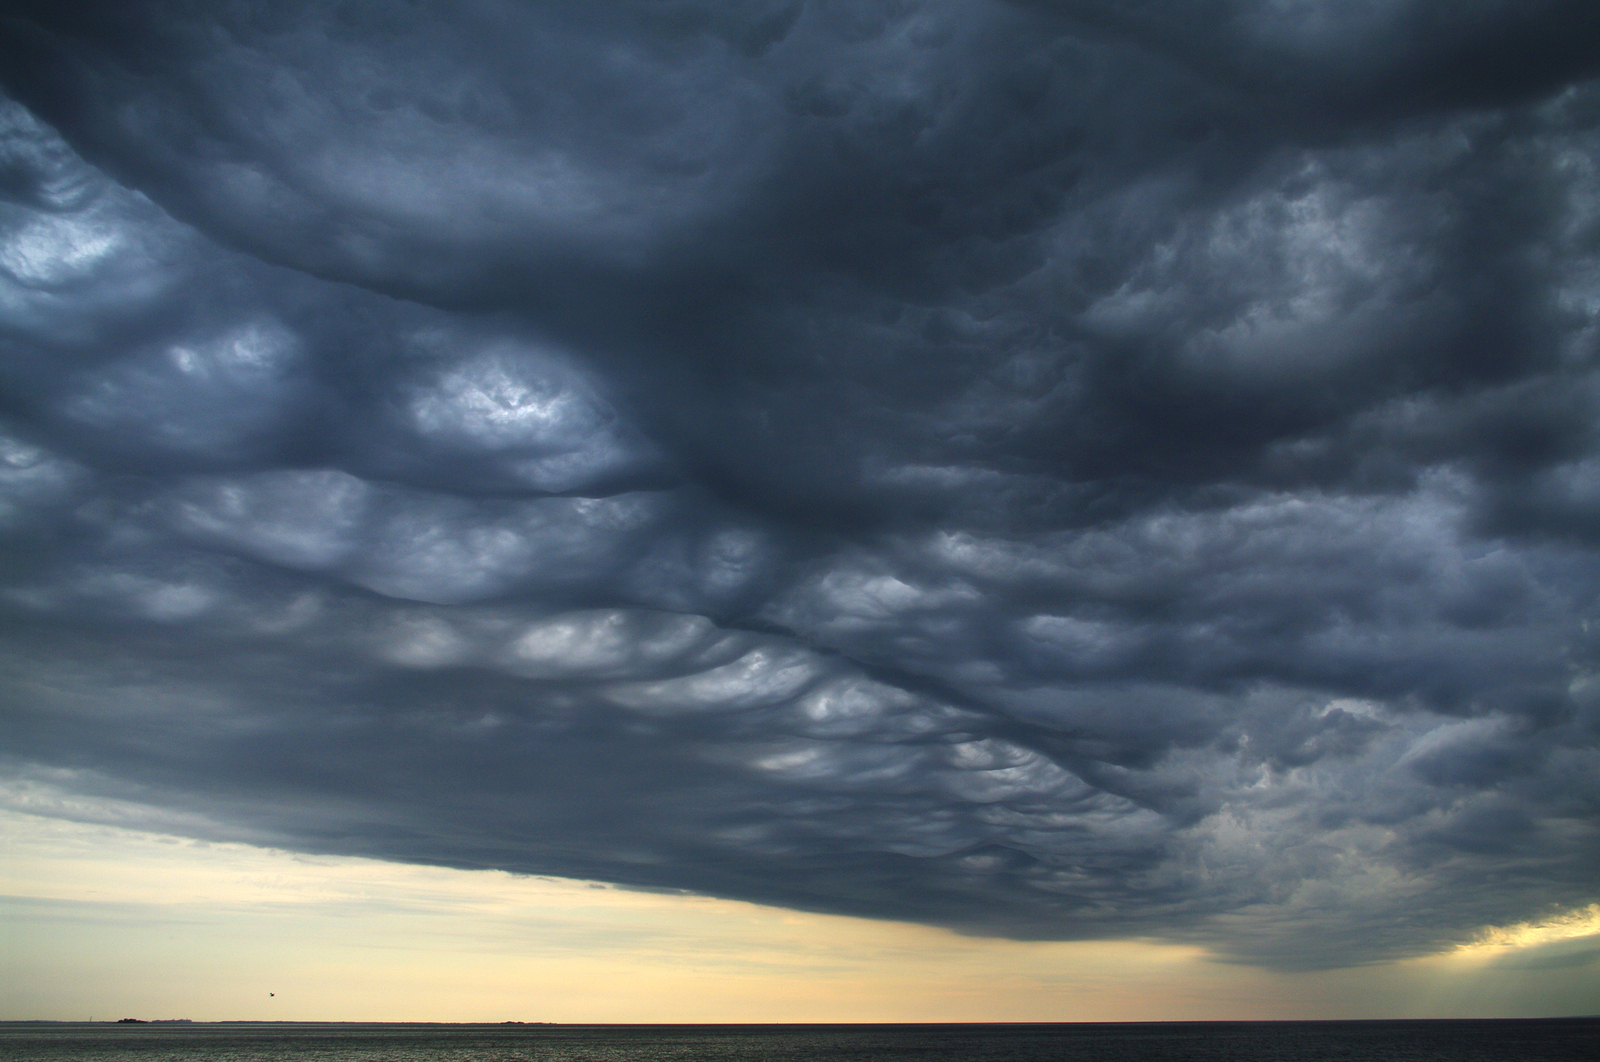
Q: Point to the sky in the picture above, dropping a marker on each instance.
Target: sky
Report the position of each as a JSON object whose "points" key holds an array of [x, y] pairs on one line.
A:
{"points": [[807, 509]]}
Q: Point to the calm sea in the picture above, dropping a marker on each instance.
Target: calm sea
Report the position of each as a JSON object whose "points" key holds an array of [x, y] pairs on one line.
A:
{"points": [[1346, 1041]]}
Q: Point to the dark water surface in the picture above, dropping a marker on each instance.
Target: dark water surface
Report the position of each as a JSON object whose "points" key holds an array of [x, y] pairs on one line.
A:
{"points": [[1299, 1041]]}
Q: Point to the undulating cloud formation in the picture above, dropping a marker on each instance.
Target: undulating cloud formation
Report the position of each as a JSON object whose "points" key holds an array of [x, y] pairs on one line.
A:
{"points": [[1059, 469]]}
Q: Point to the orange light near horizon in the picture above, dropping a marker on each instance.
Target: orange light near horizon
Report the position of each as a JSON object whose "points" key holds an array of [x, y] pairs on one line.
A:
{"points": [[211, 928], [1569, 925]]}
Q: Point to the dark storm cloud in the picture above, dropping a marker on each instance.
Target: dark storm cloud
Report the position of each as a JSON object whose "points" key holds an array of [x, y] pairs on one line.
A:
{"points": [[1052, 469]]}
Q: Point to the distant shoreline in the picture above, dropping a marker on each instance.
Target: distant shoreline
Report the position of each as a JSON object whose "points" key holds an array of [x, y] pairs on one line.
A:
{"points": [[808, 1024]]}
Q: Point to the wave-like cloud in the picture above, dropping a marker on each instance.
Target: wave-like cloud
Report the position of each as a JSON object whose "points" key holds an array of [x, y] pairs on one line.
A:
{"points": [[1054, 469]]}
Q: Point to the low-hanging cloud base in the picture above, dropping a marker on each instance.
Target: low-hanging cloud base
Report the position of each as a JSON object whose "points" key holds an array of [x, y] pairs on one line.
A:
{"points": [[1055, 470]]}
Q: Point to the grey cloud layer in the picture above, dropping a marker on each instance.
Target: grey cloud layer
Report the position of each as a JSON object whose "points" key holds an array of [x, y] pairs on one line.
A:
{"points": [[1055, 469]]}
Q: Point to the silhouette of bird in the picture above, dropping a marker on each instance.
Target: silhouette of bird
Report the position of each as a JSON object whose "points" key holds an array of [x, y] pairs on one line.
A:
{"points": [[272, 993]]}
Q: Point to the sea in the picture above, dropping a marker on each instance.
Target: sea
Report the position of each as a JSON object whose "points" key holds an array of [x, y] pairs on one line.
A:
{"points": [[1486, 1040]]}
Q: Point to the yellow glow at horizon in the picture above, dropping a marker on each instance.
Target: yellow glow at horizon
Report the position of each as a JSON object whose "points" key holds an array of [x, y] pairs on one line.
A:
{"points": [[1498, 940], [119, 923]]}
